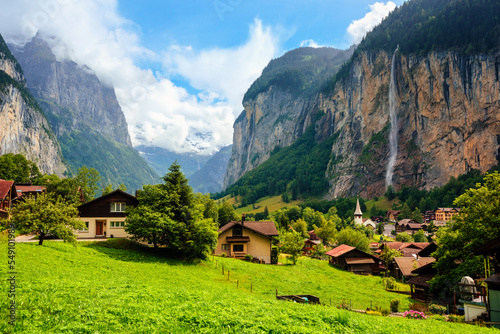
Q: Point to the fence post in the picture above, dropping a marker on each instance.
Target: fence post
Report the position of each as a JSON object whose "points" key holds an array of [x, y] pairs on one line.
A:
{"points": [[222, 269], [251, 287], [228, 272]]}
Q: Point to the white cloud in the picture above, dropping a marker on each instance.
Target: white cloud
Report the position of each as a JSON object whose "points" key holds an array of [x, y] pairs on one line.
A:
{"points": [[378, 11], [310, 43], [158, 113]]}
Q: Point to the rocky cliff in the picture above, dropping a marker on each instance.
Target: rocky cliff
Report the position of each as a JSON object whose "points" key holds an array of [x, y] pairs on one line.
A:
{"points": [[448, 120], [210, 178], [86, 116], [23, 127]]}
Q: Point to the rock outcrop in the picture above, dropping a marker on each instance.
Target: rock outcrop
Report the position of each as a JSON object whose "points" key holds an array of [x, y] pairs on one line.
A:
{"points": [[448, 117], [23, 127]]}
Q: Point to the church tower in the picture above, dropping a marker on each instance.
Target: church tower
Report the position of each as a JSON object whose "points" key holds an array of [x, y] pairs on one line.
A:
{"points": [[358, 215]]}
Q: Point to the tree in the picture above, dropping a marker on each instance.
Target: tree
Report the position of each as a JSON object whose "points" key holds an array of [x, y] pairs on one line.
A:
{"points": [[404, 237], [19, 169], [327, 230], [477, 223], [388, 254], [88, 179], [380, 228], [301, 227], [416, 215], [291, 243], [405, 212], [45, 214], [266, 213], [419, 236], [285, 198], [226, 213], [107, 189], [169, 215], [354, 238]]}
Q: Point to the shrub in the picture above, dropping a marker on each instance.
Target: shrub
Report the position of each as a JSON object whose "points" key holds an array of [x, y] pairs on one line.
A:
{"points": [[437, 309], [223, 255], [374, 312], [390, 283], [418, 307], [395, 305], [437, 317], [274, 255], [412, 314], [456, 318], [248, 257]]}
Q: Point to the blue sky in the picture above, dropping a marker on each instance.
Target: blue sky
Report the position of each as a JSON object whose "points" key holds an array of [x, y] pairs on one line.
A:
{"points": [[180, 68]]}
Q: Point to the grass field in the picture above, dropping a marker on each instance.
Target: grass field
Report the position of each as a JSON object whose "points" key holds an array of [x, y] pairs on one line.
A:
{"points": [[111, 287]]}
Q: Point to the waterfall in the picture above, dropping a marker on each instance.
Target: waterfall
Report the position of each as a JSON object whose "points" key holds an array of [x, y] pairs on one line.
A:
{"points": [[393, 136]]}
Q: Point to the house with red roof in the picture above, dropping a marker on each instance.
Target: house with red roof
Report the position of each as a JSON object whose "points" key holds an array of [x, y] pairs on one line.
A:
{"points": [[8, 192], [239, 238], [354, 260]]}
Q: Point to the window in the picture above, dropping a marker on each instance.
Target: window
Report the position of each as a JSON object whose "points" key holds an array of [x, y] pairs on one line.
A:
{"points": [[237, 248], [86, 228], [224, 247], [117, 224], [237, 231], [118, 207]]}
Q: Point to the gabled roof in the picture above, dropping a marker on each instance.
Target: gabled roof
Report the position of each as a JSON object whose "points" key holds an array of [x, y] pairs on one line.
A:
{"points": [[427, 251], [398, 245], [265, 228], [408, 264], [340, 250], [111, 194], [5, 187], [449, 209]]}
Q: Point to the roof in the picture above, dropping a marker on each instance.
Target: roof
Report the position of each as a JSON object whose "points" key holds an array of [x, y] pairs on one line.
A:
{"points": [[5, 187], [440, 223], [427, 269], [359, 260], [113, 193], [340, 250], [358, 209], [427, 251], [266, 228], [421, 280], [25, 189], [449, 209], [398, 245], [416, 226], [408, 264], [313, 241], [489, 247]]}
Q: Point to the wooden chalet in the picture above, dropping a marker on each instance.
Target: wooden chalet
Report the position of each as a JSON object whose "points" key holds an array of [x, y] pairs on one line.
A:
{"points": [[409, 225], [392, 215], [429, 216], [419, 283], [239, 238], [27, 189], [408, 249], [405, 265], [309, 245], [105, 216], [354, 260], [8, 192]]}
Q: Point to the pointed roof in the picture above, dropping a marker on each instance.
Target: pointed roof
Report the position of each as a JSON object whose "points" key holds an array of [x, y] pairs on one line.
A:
{"points": [[265, 228], [358, 209]]}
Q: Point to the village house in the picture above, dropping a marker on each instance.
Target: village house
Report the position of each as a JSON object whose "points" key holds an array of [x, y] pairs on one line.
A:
{"points": [[310, 243], [27, 189], [239, 238], [446, 214], [408, 249], [8, 192], [409, 225], [392, 215], [354, 260], [403, 266], [419, 283], [105, 216], [429, 216]]}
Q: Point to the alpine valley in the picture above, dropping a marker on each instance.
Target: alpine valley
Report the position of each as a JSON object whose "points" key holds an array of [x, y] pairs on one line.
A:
{"points": [[307, 130]]}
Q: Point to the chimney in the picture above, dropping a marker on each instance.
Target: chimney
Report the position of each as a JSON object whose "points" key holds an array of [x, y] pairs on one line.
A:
{"points": [[242, 219]]}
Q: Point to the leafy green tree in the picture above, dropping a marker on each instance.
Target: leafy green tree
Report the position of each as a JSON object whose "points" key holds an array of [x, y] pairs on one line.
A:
{"points": [[405, 212], [106, 190], [226, 213], [266, 213], [301, 227], [45, 214], [328, 229], [122, 187], [291, 243], [416, 215], [419, 236], [404, 237], [17, 168], [388, 255], [312, 218], [208, 206], [294, 213], [285, 198], [354, 238], [477, 223], [64, 190], [380, 228], [88, 179]]}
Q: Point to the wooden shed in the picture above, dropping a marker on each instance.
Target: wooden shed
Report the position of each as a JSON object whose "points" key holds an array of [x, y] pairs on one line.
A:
{"points": [[354, 260]]}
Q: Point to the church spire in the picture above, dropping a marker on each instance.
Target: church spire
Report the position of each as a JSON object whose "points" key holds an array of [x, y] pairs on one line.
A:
{"points": [[358, 210]]}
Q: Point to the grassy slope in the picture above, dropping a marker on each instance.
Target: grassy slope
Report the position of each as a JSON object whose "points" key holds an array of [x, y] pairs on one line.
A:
{"points": [[93, 289]]}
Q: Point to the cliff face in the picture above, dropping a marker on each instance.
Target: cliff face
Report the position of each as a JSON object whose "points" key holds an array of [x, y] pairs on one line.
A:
{"points": [[23, 127], [210, 178], [448, 119], [71, 95]]}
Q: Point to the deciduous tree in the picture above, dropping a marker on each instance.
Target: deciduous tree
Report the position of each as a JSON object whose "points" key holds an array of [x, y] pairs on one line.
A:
{"points": [[291, 243]]}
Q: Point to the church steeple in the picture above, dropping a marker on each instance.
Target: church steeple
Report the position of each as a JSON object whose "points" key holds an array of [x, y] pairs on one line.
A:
{"points": [[358, 215]]}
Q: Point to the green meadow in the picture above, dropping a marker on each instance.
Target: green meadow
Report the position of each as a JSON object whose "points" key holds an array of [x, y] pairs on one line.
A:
{"points": [[116, 286]]}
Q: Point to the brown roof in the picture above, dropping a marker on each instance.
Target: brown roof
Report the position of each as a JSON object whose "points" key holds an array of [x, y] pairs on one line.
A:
{"points": [[337, 251], [266, 228], [313, 241], [449, 209], [398, 245], [5, 187], [359, 260], [421, 280], [407, 264], [23, 188]]}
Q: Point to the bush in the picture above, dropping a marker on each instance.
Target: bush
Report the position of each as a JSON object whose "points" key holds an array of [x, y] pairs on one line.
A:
{"points": [[223, 255], [274, 255], [418, 307], [437, 317], [395, 305], [437, 309], [456, 318], [248, 257], [385, 312], [374, 312], [412, 314], [390, 283]]}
